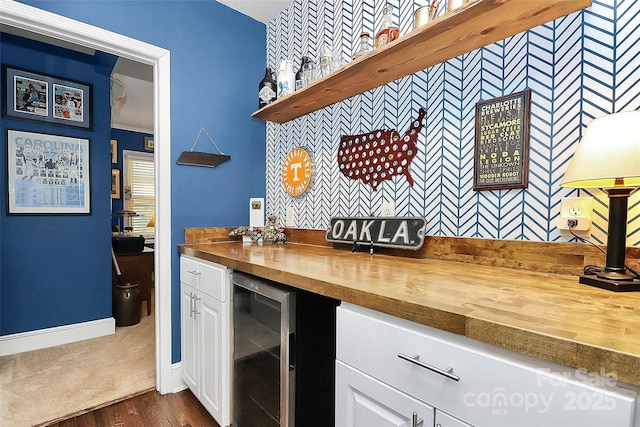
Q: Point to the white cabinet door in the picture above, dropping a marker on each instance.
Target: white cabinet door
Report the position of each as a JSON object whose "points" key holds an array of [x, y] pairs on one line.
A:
{"points": [[213, 316], [363, 401], [445, 420], [189, 338], [205, 334]]}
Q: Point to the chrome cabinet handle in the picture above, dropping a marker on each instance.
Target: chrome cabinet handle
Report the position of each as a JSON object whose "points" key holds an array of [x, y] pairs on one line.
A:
{"points": [[190, 304], [195, 307], [415, 422], [194, 272], [444, 372]]}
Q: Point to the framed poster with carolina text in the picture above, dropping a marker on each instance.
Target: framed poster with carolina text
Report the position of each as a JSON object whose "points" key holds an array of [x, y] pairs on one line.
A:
{"points": [[47, 174], [501, 152]]}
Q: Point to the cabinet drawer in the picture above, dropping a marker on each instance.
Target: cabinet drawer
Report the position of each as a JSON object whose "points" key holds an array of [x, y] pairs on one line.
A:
{"points": [[189, 271], [495, 387], [208, 277]]}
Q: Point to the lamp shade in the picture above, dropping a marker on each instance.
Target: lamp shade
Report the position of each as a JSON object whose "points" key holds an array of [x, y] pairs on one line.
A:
{"points": [[152, 221], [608, 156]]}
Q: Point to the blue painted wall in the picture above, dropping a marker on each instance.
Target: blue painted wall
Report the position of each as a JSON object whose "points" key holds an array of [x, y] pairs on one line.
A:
{"points": [[217, 61], [127, 140], [56, 268]]}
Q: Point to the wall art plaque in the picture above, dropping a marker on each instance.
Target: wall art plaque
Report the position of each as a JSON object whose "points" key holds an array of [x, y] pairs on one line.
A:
{"points": [[501, 155]]}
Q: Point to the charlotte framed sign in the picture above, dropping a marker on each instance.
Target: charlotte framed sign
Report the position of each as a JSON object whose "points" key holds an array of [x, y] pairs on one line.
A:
{"points": [[38, 97], [47, 174], [501, 154]]}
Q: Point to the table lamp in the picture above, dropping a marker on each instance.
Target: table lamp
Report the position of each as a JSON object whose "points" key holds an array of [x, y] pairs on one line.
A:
{"points": [[608, 157]]}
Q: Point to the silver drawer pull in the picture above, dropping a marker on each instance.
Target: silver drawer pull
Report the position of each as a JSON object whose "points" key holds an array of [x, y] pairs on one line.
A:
{"points": [[415, 422], [444, 372], [195, 305], [194, 272]]}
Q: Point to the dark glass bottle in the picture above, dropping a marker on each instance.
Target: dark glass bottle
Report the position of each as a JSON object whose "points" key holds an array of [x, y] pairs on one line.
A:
{"points": [[267, 89]]}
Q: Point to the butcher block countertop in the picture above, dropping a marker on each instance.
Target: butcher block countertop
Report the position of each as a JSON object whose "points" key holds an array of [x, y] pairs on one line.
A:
{"points": [[546, 315]]}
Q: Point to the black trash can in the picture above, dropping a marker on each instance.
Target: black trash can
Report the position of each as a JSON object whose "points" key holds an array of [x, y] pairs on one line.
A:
{"points": [[126, 304]]}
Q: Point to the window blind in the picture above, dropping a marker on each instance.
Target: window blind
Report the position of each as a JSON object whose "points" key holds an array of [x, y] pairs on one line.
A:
{"points": [[139, 170]]}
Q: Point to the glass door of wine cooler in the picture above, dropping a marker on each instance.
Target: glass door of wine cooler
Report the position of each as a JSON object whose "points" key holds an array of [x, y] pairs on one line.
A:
{"points": [[263, 365]]}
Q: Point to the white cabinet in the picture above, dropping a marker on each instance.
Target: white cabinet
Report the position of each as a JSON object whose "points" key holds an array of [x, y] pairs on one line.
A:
{"points": [[205, 334], [363, 401], [467, 382]]}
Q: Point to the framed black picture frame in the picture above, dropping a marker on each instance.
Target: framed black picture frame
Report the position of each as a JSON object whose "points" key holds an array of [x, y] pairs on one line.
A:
{"points": [[501, 151], [114, 150], [148, 143], [47, 174], [43, 98], [116, 184]]}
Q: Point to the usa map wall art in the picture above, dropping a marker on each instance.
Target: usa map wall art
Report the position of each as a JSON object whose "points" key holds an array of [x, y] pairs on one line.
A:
{"points": [[380, 154]]}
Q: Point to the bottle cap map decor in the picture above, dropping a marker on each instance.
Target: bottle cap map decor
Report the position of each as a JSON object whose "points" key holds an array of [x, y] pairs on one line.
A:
{"points": [[379, 155], [296, 171]]}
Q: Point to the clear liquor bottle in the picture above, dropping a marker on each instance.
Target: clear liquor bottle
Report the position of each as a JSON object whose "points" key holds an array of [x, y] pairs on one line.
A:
{"points": [[389, 31], [365, 45], [300, 81]]}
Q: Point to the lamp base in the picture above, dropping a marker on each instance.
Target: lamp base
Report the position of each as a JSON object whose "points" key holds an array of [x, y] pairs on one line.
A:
{"points": [[611, 285]]}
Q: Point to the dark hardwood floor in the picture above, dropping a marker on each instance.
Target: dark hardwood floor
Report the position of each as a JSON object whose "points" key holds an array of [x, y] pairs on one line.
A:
{"points": [[147, 410]]}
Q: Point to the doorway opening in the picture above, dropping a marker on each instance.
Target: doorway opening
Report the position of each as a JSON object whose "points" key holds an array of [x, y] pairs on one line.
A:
{"points": [[39, 23]]}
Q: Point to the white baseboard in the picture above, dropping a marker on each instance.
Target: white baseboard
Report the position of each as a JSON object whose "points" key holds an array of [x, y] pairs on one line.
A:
{"points": [[177, 384], [43, 338]]}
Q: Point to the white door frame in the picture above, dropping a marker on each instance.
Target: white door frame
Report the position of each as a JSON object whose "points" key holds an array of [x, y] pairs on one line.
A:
{"points": [[38, 21]]}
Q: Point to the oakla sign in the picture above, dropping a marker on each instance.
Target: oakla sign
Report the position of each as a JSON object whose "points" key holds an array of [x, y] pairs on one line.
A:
{"points": [[391, 232]]}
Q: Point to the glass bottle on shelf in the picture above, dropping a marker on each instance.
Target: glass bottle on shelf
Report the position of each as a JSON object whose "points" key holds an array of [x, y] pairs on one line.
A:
{"points": [[267, 89], [326, 57], [300, 81], [365, 45], [286, 78], [389, 31], [456, 4], [308, 73]]}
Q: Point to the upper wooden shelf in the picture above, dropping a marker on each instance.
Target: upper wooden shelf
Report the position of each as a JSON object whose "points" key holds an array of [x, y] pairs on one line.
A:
{"points": [[473, 26]]}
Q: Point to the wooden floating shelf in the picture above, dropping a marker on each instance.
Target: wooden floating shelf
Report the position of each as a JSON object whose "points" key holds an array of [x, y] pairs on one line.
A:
{"points": [[473, 26]]}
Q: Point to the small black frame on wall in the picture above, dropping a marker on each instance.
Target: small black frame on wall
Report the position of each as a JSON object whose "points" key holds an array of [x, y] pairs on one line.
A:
{"points": [[148, 143], [501, 151]]}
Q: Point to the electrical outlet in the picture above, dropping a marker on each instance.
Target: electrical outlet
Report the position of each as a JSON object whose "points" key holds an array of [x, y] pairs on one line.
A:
{"points": [[388, 209], [291, 217], [575, 213]]}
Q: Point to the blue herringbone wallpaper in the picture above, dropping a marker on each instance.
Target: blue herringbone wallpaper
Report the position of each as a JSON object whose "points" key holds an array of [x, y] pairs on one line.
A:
{"points": [[578, 67]]}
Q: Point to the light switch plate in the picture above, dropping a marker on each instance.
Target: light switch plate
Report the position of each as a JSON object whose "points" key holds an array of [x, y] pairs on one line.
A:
{"points": [[290, 221], [256, 212], [388, 209]]}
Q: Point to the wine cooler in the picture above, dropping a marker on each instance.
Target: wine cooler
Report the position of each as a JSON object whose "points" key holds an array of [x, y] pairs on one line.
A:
{"points": [[283, 355]]}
